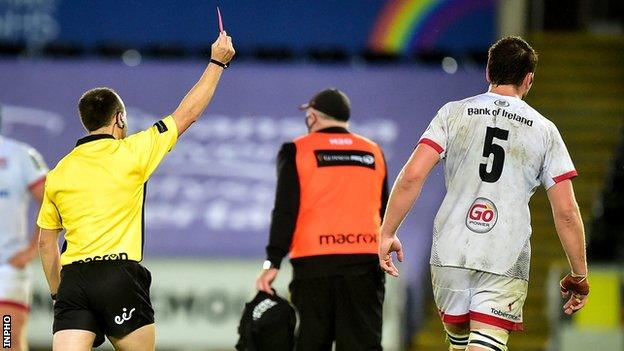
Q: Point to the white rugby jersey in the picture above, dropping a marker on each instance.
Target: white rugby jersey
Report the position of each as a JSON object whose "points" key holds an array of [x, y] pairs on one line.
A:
{"points": [[497, 151], [21, 167]]}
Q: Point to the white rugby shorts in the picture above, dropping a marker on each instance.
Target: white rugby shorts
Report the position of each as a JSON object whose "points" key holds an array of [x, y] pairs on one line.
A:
{"points": [[469, 295], [15, 286]]}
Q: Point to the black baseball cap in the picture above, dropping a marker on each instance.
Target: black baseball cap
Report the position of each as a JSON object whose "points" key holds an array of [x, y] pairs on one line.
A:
{"points": [[332, 102]]}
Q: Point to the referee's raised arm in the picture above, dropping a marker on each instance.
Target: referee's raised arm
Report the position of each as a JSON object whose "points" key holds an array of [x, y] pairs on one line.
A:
{"points": [[196, 100]]}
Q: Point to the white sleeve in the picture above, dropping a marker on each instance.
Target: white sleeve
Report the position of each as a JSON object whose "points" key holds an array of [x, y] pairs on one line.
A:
{"points": [[436, 134], [34, 167], [557, 165]]}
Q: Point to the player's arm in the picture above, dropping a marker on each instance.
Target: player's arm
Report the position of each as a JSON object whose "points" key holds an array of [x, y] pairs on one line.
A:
{"points": [[50, 257], [404, 193], [196, 100], [556, 173], [21, 258], [34, 170], [569, 225]]}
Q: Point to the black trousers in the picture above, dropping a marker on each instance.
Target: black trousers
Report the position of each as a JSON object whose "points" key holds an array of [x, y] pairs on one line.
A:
{"points": [[346, 309]]}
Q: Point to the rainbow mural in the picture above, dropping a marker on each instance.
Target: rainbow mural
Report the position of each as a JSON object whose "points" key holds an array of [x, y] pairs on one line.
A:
{"points": [[411, 25]]}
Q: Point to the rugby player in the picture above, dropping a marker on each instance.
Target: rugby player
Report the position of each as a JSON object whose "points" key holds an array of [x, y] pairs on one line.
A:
{"points": [[22, 175], [96, 194], [497, 151]]}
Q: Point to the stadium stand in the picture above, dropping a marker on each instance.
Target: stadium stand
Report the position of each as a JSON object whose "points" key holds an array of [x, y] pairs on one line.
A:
{"points": [[605, 242]]}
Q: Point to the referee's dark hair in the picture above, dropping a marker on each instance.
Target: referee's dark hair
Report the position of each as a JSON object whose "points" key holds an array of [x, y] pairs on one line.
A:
{"points": [[98, 106], [509, 61]]}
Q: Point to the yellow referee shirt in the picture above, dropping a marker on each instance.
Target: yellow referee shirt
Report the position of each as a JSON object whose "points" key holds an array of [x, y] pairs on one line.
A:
{"points": [[97, 193]]}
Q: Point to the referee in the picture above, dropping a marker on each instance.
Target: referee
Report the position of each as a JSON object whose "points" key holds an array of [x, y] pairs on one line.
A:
{"points": [[96, 194], [330, 198]]}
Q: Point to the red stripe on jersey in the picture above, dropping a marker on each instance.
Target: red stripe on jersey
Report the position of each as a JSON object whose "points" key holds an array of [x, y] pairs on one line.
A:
{"points": [[431, 143], [15, 304], [495, 321], [567, 175], [36, 182]]}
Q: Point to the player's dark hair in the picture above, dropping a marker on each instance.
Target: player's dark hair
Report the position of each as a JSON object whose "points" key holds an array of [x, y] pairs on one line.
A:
{"points": [[509, 61], [97, 107]]}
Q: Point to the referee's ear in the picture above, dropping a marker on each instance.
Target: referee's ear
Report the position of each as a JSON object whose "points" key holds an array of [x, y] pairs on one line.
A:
{"points": [[121, 123], [119, 120]]}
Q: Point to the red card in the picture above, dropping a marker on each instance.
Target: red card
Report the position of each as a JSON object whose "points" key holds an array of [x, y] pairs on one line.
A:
{"points": [[220, 20]]}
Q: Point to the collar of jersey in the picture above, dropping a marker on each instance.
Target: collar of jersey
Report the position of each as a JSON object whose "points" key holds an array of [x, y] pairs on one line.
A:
{"points": [[502, 96], [93, 137], [333, 130]]}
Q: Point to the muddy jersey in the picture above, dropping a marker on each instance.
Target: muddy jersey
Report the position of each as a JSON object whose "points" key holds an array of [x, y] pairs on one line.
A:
{"points": [[497, 150]]}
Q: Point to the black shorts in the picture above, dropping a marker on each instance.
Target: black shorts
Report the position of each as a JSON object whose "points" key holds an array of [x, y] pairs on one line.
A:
{"points": [[106, 297]]}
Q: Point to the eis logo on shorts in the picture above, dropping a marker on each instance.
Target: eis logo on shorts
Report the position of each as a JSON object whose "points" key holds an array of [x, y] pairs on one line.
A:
{"points": [[482, 216]]}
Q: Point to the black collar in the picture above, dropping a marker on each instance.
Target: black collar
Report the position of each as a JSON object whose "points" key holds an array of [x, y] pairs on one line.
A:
{"points": [[333, 130], [93, 137]]}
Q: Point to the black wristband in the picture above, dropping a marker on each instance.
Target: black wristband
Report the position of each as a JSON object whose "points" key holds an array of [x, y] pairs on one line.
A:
{"points": [[53, 297], [218, 63]]}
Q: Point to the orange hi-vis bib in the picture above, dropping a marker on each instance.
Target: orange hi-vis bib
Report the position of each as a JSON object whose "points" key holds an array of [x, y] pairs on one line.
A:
{"points": [[341, 178]]}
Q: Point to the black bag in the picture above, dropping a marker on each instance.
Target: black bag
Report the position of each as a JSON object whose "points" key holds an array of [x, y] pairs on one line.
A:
{"points": [[267, 324]]}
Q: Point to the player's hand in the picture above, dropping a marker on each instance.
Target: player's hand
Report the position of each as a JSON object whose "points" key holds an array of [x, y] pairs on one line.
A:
{"points": [[265, 280], [577, 289], [387, 245], [21, 258], [222, 48]]}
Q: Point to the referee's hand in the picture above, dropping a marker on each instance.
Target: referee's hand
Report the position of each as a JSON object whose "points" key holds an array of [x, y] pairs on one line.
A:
{"points": [[387, 245], [222, 49]]}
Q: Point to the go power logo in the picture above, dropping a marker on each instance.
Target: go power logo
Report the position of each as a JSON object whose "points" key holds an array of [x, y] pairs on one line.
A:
{"points": [[482, 216]]}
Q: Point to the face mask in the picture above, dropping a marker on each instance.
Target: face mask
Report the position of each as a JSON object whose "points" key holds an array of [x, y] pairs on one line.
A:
{"points": [[309, 126]]}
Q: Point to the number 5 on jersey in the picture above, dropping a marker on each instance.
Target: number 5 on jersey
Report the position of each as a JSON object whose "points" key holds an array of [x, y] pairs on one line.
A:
{"points": [[490, 148]]}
